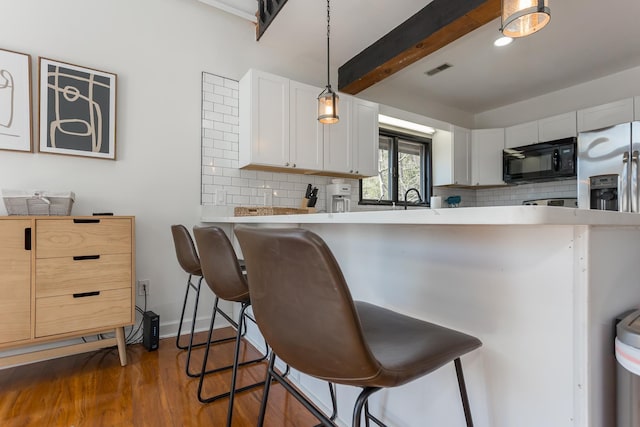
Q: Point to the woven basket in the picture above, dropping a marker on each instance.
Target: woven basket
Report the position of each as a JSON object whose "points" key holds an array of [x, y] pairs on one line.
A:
{"points": [[266, 210], [36, 203]]}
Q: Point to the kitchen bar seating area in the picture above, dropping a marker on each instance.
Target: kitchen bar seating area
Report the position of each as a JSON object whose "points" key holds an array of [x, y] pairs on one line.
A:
{"points": [[438, 202]]}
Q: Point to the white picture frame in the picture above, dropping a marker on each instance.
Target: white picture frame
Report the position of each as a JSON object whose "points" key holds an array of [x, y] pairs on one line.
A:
{"points": [[15, 101]]}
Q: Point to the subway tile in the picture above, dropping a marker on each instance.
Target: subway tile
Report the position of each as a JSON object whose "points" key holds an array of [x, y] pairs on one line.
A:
{"points": [[265, 175], [224, 91], [207, 87], [224, 163], [240, 182], [217, 99], [213, 116], [234, 191], [231, 84], [230, 154], [248, 174], [234, 173], [222, 109], [207, 106], [222, 145], [222, 180], [231, 137], [230, 101], [207, 124], [224, 127], [256, 183], [241, 200], [213, 79], [232, 120]]}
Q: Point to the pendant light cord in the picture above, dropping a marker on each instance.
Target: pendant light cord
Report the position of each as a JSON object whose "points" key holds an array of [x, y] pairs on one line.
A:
{"points": [[328, 34]]}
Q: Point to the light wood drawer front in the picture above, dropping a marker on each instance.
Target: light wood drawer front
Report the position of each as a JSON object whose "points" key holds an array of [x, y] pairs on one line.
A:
{"points": [[61, 276], [61, 314], [68, 237]]}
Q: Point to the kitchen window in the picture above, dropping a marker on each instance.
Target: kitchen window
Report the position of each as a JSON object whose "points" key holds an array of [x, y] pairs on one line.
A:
{"points": [[404, 162]]}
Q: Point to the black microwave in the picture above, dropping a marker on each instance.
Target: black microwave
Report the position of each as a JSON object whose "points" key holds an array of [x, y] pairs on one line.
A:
{"points": [[546, 161]]}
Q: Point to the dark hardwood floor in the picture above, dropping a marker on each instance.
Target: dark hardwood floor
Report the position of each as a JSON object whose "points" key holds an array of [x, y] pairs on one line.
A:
{"points": [[92, 389]]}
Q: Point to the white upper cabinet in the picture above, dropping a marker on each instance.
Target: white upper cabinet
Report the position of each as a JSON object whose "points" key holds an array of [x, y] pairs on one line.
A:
{"points": [[605, 115], [636, 109], [557, 127], [451, 153], [522, 134], [279, 129], [351, 145], [338, 139], [264, 120], [365, 137], [305, 132], [486, 156]]}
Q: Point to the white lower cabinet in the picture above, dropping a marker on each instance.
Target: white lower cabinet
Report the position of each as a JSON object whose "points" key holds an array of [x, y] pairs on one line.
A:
{"points": [[486, 155]]}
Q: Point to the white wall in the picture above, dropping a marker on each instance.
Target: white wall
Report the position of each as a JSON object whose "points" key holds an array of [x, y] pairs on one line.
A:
{"points": [[158, 49], [600, 91]]}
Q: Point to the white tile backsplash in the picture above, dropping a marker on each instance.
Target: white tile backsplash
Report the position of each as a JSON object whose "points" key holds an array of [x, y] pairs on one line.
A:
{"points": [[220, 136]]}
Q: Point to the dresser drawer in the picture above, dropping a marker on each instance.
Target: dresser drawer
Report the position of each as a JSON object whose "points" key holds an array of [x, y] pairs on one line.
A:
{"points": [[82, 236], [66, 313], [69, 275]]}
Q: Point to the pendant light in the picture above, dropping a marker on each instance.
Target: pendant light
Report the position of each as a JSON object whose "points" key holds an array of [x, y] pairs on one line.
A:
{"points": [[328, 99], [521, 18]]}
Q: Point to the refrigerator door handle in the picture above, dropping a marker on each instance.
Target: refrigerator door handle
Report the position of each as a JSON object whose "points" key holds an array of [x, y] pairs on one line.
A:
{"points": [[633, 183], [623, 192]]}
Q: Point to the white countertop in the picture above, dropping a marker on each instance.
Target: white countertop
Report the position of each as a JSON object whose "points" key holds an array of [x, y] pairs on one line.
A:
{"points": [[496, 215]]}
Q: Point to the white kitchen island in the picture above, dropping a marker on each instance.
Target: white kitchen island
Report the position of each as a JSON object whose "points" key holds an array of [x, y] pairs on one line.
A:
{"points": [[540, 286]]}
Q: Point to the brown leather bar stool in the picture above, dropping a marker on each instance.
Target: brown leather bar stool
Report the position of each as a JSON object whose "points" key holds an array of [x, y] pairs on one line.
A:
{"points": [[305, 311], [190, 263], [221, 271]]}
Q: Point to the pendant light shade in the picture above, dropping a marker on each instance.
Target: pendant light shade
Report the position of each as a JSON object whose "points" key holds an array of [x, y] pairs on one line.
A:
{"points": [[328, 106], [328, 99], [521, 18]]}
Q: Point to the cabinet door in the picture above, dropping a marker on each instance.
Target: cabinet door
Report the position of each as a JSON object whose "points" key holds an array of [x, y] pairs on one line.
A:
{"points": [[338, 142], [264, 120], [557, 127], [636, 108], [522, 134], [486, 154], [305, 136], [365, 137], [606, 115], [15, 281], [461, 156]]}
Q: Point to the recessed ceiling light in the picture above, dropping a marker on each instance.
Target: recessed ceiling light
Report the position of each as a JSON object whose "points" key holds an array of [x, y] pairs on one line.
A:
{"points": [[502, 41]]}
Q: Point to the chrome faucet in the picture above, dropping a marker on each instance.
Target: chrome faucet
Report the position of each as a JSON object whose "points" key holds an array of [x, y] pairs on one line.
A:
{"points": [[407, 192]]}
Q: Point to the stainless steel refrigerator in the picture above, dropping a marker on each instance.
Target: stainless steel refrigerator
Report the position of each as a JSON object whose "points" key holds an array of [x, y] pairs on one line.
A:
{"points": [[608, 168]]}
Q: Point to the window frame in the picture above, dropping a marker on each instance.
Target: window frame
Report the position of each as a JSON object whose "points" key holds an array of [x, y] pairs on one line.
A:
{"points": [[426, 169]]}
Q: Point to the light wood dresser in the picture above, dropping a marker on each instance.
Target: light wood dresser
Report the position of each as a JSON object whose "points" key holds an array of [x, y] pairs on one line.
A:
{"points": [[63, 278]]}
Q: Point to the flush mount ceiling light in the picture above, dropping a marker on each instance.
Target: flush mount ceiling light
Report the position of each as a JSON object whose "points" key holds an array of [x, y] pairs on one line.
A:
{"points": [[521, 18], [328, 99]]}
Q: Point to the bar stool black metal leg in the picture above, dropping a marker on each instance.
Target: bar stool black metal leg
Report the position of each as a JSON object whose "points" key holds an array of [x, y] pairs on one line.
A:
{"points": [[236, 356], [267, 387], [463, 393], [360, 402], [184, 306]]}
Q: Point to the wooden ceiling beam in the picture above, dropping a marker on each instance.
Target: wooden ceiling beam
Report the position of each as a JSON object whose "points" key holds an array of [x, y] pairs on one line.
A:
{"points": [[435, 26]]}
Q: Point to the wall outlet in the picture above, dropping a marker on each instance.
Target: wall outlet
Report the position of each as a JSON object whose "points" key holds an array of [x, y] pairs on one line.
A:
{"points": [[143, 287], [220, 197]]}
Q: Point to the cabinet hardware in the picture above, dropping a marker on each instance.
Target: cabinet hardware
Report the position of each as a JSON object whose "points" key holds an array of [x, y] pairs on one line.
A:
{"points": [[27, 239], [86, 294], [83, 257], [286, 164], [85, 221]]}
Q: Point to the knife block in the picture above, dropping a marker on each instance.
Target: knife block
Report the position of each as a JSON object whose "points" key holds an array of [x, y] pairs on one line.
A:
{"points": [[303, 205]]}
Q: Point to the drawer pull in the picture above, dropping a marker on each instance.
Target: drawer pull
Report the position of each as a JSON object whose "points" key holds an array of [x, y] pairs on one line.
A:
{"points": [[83, 257], [86, 294], [85, 221], [27, 239]]}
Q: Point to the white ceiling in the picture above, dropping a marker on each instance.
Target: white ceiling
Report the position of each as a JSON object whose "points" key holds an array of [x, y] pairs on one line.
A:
{"points": [[585, 39]]}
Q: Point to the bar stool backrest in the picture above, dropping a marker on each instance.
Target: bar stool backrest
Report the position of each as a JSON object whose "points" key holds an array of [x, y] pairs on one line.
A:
{"points": [[219, 263], [302, 304], [185, 250]]}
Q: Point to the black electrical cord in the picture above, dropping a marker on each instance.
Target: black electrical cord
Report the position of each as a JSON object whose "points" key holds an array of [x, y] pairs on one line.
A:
{"points": [[132, 337]]}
